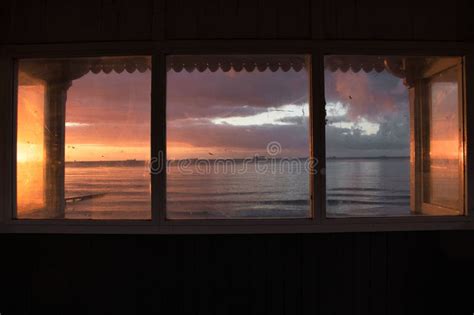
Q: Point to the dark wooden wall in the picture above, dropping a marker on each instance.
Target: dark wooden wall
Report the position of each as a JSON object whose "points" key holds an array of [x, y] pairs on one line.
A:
{"points": [[368, 273], [54, 21], [350, 273]]}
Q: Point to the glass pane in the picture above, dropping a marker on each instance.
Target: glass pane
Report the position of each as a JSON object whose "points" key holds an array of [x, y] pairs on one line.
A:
{"points": [[30, 148], [238, 137], [442, 152], [83, 138], [374, 107]]}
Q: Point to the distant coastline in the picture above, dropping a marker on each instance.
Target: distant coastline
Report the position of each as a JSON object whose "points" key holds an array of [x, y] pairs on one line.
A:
{"points": [[121, 163], [238, 160], [383, 157]]}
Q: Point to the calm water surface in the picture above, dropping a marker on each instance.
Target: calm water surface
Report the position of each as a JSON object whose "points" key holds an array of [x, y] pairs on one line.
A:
{"points": [[354, 186]]}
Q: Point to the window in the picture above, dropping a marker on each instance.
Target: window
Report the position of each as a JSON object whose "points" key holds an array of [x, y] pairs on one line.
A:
{"points": [[83, 138], [442, 145], [238, 137], [394, 136], [229, 142]]}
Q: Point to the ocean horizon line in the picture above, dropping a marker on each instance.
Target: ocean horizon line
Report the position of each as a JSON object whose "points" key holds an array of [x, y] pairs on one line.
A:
{"points": [[259, 158]]}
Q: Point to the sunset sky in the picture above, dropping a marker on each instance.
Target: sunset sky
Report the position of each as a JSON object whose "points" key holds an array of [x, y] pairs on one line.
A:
{"points": [[108, 117], [229, 114], [367, 113], [235, 114]]}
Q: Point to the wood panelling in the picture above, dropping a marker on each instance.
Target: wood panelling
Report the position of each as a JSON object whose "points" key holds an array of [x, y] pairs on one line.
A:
{"points": [[54, 21], [27, 22], [181, 19], [212, 19], [352, 273], [5, 21], [435, 22], [135, 20], [45, 21], [67, 21], [464, 21], [392, 21], [293, 19]]}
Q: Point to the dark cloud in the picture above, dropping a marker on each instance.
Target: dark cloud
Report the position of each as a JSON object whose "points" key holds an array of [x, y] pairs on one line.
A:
{"points": [[195, 98], [117, 107], [392, 134], [370, 95], [392, 138], [223, 94], [292, 138]]}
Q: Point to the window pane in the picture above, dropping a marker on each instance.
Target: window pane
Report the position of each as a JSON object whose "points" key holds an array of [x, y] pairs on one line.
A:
{"points": [[376, 139], [238, 137], [441, 160], [83, 138]]}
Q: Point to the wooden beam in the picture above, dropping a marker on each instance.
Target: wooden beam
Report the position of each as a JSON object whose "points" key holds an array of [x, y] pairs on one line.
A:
{"points": [[414, 152]]}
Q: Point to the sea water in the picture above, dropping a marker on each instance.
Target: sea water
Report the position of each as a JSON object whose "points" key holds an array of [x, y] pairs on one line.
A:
{"points": [[358, 187]]}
